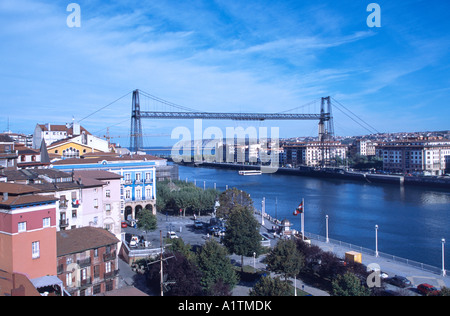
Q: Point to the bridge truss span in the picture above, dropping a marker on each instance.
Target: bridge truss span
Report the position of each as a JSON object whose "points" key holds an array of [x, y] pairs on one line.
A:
{"points": [[325, 118], [233, 116]]}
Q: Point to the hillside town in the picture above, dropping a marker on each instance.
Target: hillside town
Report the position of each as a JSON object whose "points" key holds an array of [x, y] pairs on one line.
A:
{"points": [[67, 194]]}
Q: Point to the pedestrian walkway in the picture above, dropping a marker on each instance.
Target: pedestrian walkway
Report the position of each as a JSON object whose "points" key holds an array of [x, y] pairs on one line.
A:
{"points": [[414, 274]]}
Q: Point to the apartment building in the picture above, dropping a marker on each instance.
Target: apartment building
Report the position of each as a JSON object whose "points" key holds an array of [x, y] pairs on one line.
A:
{"points": [[27, 231], [87, 261], [8, 154], [89, 198], [313, 154], [429, 157], [138, 179], [365, 147]]}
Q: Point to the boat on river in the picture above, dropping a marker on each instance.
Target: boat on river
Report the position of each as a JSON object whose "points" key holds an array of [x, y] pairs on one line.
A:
{"points": [[250, 172]]}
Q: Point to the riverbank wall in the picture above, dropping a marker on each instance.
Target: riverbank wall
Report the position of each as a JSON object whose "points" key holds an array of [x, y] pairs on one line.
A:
{"points": [[332, 173]]}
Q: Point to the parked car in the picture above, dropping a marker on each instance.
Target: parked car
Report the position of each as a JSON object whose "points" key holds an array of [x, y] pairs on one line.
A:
{"points": [[427, 289], [400, 281], [134, 242], [172, 235], [124, 224], [198, 224]]}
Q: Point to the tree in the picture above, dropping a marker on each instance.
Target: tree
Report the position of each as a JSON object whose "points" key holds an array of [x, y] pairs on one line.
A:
{"points": [[267, 286], [230, 199], [285, 259], [146, 220], [178, 245], [242, 233], [216, 267], [181, 274], [176, 195], [349, 285]]}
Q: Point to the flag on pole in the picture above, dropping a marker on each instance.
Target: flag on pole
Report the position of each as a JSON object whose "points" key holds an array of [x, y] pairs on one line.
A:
{"points": [[299, 209]]}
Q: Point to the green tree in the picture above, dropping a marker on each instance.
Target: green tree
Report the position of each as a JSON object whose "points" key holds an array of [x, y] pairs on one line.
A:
{"points": [[181, 274], [242, 233], [349, 285], [176, 195], [267, 286], [178, 245], [232, 198], [216, 267], [285, 259], [146, 220]]}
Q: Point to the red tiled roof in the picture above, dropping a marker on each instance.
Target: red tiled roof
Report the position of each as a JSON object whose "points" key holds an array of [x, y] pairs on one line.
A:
{"points": [[82, 239]]}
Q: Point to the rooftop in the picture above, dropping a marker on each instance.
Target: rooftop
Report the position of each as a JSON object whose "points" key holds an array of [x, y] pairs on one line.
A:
{"points": [[82, 239]]}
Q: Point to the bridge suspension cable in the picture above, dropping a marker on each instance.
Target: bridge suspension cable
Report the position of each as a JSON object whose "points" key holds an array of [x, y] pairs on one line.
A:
{"points": [[355, 118]]}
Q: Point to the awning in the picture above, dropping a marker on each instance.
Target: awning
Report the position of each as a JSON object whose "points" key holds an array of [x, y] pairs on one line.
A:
{"points": [[48, 280]]}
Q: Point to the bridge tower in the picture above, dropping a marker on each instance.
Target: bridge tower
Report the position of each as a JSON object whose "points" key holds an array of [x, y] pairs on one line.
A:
{"points": [[136, 140], [326, 131]]}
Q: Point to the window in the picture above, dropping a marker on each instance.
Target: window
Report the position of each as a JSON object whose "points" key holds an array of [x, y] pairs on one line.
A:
{"points": [[148, 176], [96, 203], [138, 176], [138, 193], [127, 176], [108, 193], [46, 222], [35, 251], [96, 271], [22, 227], [148, 193], [128, 194], [108, 208], [83, 273], [108, 267], [69, 279], [97, 289]]}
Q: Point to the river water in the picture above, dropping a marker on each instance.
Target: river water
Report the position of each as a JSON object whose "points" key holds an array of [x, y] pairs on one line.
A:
{"points": [[412, 220]]}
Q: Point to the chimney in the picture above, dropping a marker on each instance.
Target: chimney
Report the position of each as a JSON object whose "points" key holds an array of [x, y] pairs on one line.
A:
{"points": [[76, 129], [5, 196]]}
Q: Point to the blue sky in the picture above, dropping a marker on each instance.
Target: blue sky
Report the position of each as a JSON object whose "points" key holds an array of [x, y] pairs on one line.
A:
{"points": [[225, 56]]}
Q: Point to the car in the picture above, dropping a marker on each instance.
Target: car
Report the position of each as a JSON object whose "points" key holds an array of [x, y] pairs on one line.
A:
{"points": [[427, 289], [134, 242], [400, 281], [198, 224], [376, 268], [172, 235], [124, 224]]}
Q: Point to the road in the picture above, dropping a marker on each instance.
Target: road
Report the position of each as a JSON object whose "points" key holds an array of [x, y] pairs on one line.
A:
{"points": [[184, 228]]}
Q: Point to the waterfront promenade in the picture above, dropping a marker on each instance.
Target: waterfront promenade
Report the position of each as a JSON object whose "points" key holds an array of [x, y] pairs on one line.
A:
{"points": [[416, 272]]}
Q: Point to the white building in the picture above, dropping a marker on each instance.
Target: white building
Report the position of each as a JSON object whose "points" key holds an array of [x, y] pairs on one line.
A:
{"points": [[365, 147], [53, 133], [313, 154], [415, 156]]}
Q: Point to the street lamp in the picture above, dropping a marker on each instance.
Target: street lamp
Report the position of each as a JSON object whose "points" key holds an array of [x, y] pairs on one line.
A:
{"points": [[376, 241], [444, 273], [327, 240]]}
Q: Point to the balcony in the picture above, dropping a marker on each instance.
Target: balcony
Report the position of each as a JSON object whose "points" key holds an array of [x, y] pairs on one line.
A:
{"points": [[109, 256], [86, 283], [112, 274], [63, 223], [63, 205], [84, 263]]}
